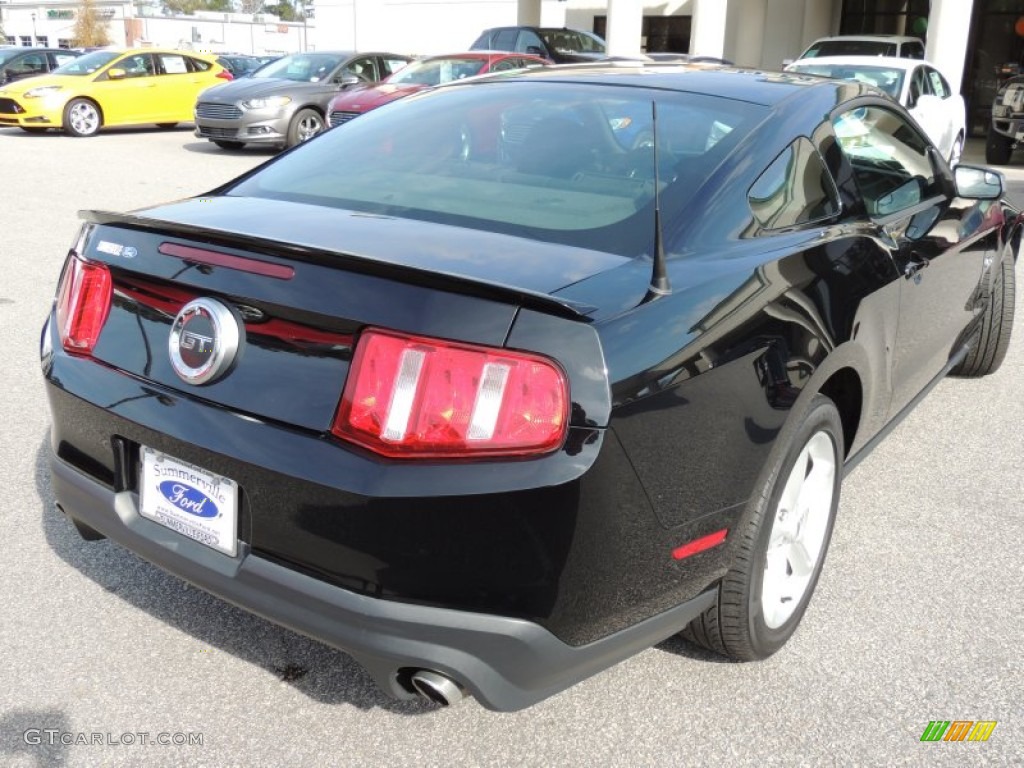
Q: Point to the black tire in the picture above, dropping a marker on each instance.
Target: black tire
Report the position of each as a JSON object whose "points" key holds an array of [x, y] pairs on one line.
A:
{"points": [[306, 124], [166, 126], [737, 625], [82, 117], [232, 145], [988, 353], [998, 148]]}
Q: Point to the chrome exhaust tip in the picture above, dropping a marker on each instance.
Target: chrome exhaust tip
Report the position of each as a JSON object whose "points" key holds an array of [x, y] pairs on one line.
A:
{"points": [[437, 688]]}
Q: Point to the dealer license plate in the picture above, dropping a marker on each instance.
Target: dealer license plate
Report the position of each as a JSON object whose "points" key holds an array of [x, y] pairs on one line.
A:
{"points": [[190, 500]]}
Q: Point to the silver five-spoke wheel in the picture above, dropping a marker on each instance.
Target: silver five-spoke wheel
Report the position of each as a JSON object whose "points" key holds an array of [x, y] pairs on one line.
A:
{"points": [[798, 531], [779, 546], [306, 124], [81, 117]]}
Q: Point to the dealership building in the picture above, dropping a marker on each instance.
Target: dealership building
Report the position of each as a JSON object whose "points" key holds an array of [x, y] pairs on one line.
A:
{"points": [[969, 40]]}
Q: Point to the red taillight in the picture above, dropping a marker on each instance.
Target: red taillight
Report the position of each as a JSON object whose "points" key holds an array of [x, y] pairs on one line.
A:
{"points": [[225, 75], [83, 302], [413, 397]]}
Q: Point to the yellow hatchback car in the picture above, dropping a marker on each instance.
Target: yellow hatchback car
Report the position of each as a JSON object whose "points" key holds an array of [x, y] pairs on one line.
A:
{"points": [[108, 88]]}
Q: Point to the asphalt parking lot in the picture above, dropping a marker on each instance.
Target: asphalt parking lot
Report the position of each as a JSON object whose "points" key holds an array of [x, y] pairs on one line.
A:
{"points": [[918, 616]]}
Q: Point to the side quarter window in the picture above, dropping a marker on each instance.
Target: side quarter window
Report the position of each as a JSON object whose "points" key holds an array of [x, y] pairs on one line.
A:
{"points": [[939, 85], [889, 159], [795, 189]]}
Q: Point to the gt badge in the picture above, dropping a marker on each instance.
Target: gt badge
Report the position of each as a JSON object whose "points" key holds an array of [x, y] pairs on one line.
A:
{"points": [[204, 341]]}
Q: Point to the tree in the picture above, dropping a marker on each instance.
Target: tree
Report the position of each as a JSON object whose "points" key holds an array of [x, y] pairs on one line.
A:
{"points": [[90, 30], [189, 7], [284, 10]]}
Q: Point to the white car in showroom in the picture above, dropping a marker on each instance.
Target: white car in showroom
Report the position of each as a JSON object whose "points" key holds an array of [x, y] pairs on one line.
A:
{"points": [[915, 84]]}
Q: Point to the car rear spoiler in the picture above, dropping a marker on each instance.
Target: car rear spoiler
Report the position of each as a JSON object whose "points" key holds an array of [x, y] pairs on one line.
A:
{"points": [[446, 281]]}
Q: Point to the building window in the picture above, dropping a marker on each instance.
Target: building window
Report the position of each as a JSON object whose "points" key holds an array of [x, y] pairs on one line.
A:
{"points": [[886, 17], [43, 41], [10, 40], [63, 42], [658, 33], [26, 41]]}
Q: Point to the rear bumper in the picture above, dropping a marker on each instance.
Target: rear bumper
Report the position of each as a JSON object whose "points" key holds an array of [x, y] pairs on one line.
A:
{"points": [[506, 663]]}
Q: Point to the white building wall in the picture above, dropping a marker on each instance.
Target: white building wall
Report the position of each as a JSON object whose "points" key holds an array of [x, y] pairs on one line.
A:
{"points": [[217, 32], [947, 43], [409, 26], [767, 33]]}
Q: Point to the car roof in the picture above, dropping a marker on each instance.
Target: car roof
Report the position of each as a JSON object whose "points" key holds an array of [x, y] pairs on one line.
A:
{"points": [[37, 49], [880, 38], [735, 83], [892, 62], [482, 54]]}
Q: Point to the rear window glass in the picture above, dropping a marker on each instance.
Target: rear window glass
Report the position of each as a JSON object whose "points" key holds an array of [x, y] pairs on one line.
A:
{"points": [[851, 48], [559, 162]]}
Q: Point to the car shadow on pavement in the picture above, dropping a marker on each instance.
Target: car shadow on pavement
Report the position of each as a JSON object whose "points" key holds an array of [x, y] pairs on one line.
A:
{"points": [[680, 647], [51, 133], [316, 670], [205, 147]]}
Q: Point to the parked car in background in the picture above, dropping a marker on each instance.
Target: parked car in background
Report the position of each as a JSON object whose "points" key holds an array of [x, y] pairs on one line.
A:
{"points": [[559, 45], [19, 63], [285, 102], [900, 46], [426, 73], [1006, 127], [491, 401], [240, 64], [917, 85], [112, 88]]}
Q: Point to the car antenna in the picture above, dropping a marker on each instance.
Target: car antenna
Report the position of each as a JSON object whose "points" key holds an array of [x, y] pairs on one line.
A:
{"points": [[659, 276]]}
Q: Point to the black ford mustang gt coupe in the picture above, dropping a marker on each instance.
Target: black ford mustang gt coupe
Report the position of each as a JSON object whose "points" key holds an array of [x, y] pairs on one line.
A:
{"points": [[505, 382]]}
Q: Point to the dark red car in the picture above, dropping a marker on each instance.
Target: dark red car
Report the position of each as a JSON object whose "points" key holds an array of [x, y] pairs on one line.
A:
{"points": [[423, 74]]}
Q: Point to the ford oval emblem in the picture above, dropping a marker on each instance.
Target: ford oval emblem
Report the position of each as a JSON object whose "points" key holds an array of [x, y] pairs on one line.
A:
{"points": [[204, 341], [188, 499]]}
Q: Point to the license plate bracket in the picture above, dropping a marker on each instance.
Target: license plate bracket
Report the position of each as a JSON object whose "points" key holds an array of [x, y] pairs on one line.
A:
{"points": [[190, 500]]}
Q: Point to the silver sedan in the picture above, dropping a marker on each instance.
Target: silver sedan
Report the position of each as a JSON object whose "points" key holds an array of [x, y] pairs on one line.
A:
{"points": [[284, 103]]}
